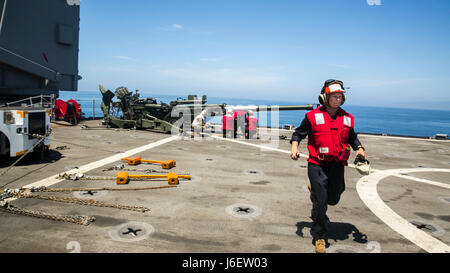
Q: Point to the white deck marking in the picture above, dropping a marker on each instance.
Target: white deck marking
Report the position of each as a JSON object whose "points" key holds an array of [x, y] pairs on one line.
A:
{"points": [[404, 138], [378, 136], [263, 147], [99, 163], [367, 191], [439, 184]]}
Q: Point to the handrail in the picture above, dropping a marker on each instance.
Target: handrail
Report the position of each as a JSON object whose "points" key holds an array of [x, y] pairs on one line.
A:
{"points": [[30, 99]]}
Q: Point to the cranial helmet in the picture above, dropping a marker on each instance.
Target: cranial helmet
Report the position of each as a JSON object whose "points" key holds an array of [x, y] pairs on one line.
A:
{"points": [[329, 87]]}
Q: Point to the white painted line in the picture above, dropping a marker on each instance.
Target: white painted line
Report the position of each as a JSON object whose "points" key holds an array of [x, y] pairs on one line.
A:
{"points": [[367, 190], [421, 180], [396, 173], [85, 168], [117, 157], [359, 134], [261, 146], [403, 138]]}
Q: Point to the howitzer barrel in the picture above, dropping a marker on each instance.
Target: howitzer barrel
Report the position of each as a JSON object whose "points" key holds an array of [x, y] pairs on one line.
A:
{"points": [[200, 106], [289, 107], [179, 102], [154, 105], [271, 107]]}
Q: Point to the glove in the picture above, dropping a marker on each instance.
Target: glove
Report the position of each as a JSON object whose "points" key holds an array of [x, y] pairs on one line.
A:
{"points": [[362, 165]]}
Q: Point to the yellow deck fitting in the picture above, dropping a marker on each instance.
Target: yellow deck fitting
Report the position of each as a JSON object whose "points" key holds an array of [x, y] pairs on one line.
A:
{"points": [[168, 164], [172, 178]]}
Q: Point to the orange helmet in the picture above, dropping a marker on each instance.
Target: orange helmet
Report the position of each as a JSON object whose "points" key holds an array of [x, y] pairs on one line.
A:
{"points": [[329, 87]]}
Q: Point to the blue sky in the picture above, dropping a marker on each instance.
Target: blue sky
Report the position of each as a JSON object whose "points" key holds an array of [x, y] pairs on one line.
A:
{"points": [[393, 54]]}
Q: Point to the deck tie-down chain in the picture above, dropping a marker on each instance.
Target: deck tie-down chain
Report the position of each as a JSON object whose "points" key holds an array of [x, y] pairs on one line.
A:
{"points": [[121, 167], [5, 206], [80, 201], [81, 176], [121, 178], [77, 219], [124, 177]]}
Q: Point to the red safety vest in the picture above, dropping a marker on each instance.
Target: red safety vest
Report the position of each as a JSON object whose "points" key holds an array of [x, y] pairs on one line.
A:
{"points": [[328, 140], [251, 123], [227, 122]]}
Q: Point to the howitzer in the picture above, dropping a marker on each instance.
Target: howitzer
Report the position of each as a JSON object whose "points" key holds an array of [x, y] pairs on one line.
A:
{"points": [[134, 112]]}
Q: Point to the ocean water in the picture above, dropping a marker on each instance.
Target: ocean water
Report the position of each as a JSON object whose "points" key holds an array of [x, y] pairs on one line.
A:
{"points": [[374, 120]]}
